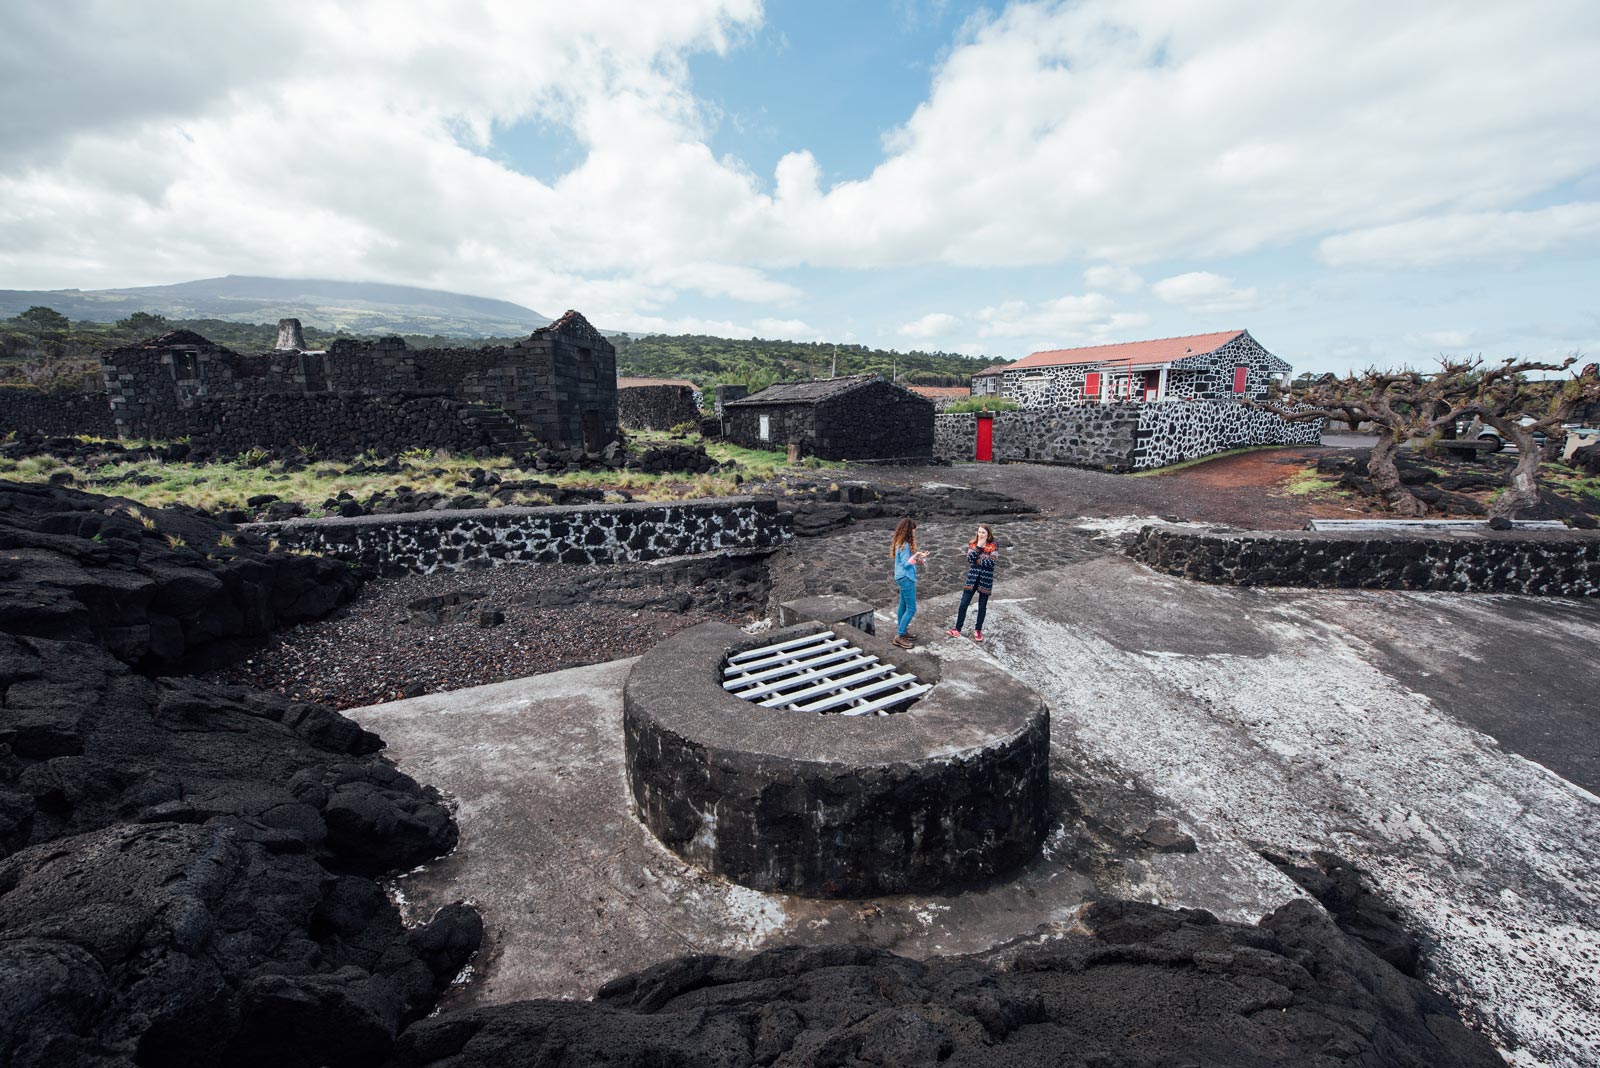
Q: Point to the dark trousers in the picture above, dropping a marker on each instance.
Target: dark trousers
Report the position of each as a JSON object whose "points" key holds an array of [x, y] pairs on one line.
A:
{"points": [[966, 599]]}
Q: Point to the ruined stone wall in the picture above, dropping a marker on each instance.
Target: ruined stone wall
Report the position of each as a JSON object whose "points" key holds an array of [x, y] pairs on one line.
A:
{"points": [[585, 534], [338, 424], [26, 409], [558, 385], [656, 407], [1552, 563]]}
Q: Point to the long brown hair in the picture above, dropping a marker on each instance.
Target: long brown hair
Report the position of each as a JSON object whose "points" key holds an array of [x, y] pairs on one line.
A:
{"points": [[987, 529], [905, 533]]}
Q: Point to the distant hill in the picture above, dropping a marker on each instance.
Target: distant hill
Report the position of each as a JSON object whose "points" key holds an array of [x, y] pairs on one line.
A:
{"points": [[354, 307]]}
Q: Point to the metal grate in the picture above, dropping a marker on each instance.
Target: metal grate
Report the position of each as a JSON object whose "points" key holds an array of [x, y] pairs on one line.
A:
{"points": [[819, 673]]}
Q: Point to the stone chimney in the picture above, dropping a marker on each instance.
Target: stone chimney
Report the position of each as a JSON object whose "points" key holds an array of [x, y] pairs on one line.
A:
{"points": [[290, 336]]}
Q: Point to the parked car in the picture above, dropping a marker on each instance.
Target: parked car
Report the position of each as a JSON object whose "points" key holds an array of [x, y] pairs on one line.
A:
{"points": [[1478, 430]]}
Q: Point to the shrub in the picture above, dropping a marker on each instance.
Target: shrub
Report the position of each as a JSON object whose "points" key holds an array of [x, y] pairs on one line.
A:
{"points": [[982, 404]]}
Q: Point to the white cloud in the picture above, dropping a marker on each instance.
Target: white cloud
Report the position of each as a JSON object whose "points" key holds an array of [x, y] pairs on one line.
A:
{"points": [[932, 325], [1115, 279], [1440, 339], [1204, 293], [1481, 235], [1059, 322], [358, 140]]}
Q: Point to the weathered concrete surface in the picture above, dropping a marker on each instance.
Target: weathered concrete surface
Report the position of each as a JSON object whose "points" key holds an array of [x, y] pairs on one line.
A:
{"points": [[1355, 721], [575, 891]]}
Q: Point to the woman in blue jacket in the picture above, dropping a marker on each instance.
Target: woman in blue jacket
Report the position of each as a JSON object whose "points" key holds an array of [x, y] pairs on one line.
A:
{"points": [[982, 552], [907, 559]]}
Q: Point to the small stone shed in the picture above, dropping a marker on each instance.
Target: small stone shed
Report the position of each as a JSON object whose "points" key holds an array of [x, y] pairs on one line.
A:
{"points": [[656, 403], [856, 417]]}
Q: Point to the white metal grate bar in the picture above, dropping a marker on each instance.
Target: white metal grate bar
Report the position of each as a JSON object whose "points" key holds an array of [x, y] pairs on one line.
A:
{"points": [[855, 693], [886, 702], [751, 654], [805, 663], [791, 681], [833, 685], [785, 656]]}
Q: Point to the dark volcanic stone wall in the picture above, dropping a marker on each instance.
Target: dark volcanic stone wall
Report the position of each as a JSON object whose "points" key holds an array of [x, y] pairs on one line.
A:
{"points": [[877, 421], [26, 409], [585, 534], [558, 385], [338, 424], [656, 407], [1554, 563]]}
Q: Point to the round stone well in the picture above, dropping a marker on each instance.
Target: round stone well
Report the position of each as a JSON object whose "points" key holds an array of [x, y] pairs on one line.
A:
{"points": [[945, 788]]}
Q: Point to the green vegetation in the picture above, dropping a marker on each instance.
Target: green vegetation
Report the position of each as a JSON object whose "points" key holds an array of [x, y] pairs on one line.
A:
{"points": [[758, 363], [1307, 482], [222, 486], [982, 404]]}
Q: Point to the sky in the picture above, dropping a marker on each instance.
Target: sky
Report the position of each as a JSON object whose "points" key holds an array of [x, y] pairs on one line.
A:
{"points": [[1357, 183]]}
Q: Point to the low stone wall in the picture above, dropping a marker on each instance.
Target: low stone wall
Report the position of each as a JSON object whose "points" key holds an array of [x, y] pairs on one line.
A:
{"points": [[1551, 563], [656, 407], [1082, 435], [1123, 436], [585, 534], [26, 409]]}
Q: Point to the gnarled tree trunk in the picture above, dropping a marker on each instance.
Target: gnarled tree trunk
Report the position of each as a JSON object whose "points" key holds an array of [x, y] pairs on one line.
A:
{"points": [[1522, 485], [1386, 477]]}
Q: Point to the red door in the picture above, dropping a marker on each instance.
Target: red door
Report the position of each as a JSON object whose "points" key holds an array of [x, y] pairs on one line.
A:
{"points": [[1152, 384], [985, 451]]}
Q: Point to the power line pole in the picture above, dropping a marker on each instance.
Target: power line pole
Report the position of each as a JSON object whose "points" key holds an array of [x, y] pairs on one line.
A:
{"points": [[835, 372]]}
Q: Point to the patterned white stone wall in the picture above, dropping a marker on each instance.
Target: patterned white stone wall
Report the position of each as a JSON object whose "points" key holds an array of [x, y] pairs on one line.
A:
{"points": [[1173, 431], [451, 540]]}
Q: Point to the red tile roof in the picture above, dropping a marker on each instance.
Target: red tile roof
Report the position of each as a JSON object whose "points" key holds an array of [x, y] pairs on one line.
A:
{"points": [[629, 383], [1127, 354]]}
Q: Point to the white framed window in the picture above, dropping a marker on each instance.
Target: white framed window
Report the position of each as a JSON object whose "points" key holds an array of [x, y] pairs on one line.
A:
{"points": [[766, 428]]}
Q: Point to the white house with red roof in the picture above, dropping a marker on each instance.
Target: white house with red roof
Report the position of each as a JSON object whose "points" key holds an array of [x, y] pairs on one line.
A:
{"points": [[1226, 365]]}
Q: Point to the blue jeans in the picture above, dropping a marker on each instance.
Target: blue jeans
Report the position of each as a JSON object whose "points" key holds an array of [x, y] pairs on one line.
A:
{"points": [[908, 605], [966, 599]]}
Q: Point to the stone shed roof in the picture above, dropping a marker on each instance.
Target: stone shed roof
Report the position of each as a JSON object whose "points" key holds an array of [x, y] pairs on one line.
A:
{"points": [[806, 392]]}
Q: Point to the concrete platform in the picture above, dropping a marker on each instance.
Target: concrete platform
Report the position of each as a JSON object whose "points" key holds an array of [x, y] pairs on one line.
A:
{"points": [[575, 891]]}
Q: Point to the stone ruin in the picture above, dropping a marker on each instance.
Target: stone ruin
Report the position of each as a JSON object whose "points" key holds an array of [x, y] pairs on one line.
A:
{"points": [[556, 387]]}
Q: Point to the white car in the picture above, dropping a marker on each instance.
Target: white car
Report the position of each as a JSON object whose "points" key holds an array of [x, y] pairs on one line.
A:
{"points": [[1480, 431]]}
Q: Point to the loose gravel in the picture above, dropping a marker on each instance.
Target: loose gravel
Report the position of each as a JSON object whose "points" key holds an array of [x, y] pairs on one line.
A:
{"points": [[375, 650]]}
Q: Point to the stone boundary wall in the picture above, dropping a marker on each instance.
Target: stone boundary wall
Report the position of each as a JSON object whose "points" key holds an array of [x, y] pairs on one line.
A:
{"points": [[656, 407], [1548, 563], [1121, 437], [450, 540], [26, 409]]}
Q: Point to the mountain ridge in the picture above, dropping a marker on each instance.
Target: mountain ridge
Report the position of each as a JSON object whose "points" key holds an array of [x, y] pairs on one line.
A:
{"points": [[328, 304]]}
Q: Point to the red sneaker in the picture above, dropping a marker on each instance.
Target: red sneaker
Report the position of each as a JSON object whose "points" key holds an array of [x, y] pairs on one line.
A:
{"points": [[977, 635], [953, 632]]}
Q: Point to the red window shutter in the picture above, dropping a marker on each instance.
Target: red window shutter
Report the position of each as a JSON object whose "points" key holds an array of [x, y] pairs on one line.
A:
{"points": [[1238, 379], [1091, 384]]}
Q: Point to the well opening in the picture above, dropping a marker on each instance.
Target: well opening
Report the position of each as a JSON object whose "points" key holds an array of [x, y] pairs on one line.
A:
{"points": [[825, 674]]}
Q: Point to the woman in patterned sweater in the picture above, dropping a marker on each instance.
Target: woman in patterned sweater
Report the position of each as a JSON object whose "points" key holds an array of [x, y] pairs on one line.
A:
{"points": [[982, 552]]}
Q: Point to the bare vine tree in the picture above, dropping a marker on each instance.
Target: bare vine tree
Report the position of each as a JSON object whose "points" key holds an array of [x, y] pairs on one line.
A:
{"points": [[1400, 405], [1518, 408]]}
